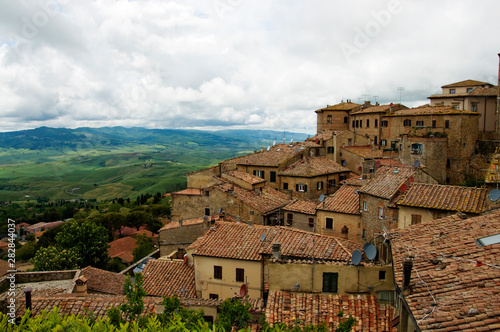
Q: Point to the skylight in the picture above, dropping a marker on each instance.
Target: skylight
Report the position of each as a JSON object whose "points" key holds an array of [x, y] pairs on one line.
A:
{"points": [[488, 240]]}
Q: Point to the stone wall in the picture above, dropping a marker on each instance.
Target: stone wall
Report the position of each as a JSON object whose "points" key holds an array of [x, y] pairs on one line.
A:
{"points": [[433, 155], [340, 220], [171, 239]]}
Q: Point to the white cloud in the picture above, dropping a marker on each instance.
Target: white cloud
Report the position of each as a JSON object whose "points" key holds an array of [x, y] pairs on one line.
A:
{"points": [[231, 63]]}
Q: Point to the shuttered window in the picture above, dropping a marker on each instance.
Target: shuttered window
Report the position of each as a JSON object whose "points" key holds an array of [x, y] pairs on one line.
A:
{"points": [[330, 282]]}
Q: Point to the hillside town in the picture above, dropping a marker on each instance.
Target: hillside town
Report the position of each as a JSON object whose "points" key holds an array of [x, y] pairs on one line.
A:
{"points": [[388, 214]]}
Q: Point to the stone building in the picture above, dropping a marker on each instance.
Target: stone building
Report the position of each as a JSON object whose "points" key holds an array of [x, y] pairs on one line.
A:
{"points": [[335, 117], [301, 214]]}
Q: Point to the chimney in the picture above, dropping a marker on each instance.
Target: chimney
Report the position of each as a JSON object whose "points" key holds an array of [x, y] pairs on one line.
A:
{"points": [[27, 292], [407, 267], [262, 149], [81, 286], [276, 250]]}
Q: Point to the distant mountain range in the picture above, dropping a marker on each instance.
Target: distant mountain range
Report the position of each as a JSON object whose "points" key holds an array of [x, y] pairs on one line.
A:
{"points": [[82, 138]]}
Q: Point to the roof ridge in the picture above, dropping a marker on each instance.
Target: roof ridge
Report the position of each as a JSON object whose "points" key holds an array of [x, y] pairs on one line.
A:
{"points": [[341, 245]]}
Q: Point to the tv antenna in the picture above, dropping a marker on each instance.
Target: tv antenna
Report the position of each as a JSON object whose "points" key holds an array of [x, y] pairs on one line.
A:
{"points": [[400, 89]]}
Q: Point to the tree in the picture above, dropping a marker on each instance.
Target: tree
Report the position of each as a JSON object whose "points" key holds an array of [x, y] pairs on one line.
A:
{"points": [[144, 247], [233, 314], [135, 297], [137, 219], [55, 259], [89, 240], [26, 252]]}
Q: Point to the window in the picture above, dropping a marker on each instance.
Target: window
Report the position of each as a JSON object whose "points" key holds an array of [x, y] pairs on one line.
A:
{"points": [[407, 123], [311, 222], [207, 211], [381, 275], [416, 148], [331, 183], [376, 123], [289, 219], [367, 123], [474, 107], [420, 123], [469, 90], [213, 296], [207, 193], [452, 91], [349, 141], [455, 105], [433, 123], [260, 174], [383, 142], [330, 149], [353, 123], [319, 185], [365, 206], [416, 219], [285, 186], [448, 163], [217, 272], [486, 241], [345, 119], [329, 119], [357, 123], [360, 123], [384, 123], [381, 213], [330, 281], [272, 175], [240, 275], [375, 140], [301, 188], [447, 124], [329, 223], [342, 177], [316, 152]]}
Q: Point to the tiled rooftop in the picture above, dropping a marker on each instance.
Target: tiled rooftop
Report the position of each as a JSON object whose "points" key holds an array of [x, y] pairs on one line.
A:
{"points": [[387, 181], [103, 281], [302, 206], [476, 92], [276, 155], [453, 198], [166, 278], [189, 192], [455, 284], [344, 106], [465, 83], [307, 308], [430, 110], [123, 248], [241, 241], [379, 109], [188, 222], [249, 178], [364, 151], [345, 200], [310, 167]]}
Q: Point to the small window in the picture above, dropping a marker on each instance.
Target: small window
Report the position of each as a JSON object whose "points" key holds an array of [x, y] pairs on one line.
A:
{"points": [[434, 124], [342, 177], [353, 123], [381, 213], [331, 183], [364, 234], [367, 123], [301, 188], [383, 142], [384, 123], [407, 123], [416, 148], [448, 163], [272, 175], [285, 185], [357, 123], [207, 193], [345, 119], [416, 219], [330, 150], [365, 206], [488, 240], [420, 123], [330, 281], [452, 91], [381, 275], [207, 211], [455, 105], [329, 119], [469, 90], [240, 275], [260, 174], [360, 123], [217, 272], [319, 185], [213, 296], [376, 123], [474, 107], [375, 140], [311, 222], [329, 223], [289, 219], [349, 141]]}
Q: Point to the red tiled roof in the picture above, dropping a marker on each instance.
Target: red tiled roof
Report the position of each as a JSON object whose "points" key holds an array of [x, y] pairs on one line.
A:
{"points": [[387, 181], [364, 151], [189, 192], [430, 110], [188, 222], [345, 200], [266, 202], [344, 106], [249, 178], [123, 248], [310, 167], [166, 278], [241, 241], [465, 83], [390, 162], [305, 308], [454, 282], [453, 198], [103, 281], [353, 180], [277, 155], [302, 206], [379, 109], [126, 231]]}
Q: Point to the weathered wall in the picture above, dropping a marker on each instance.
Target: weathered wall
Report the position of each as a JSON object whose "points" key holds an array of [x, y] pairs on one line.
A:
{"points": [[203, 178], [300, 221], [351, 221], [172, 239], [312, 185], [433, 156], [189, 206]]}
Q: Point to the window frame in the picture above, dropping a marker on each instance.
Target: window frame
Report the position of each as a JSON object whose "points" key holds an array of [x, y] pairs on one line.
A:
{"points": [[407, 123], [240, 275], [328, 223], [330, 282], [218, 272]]}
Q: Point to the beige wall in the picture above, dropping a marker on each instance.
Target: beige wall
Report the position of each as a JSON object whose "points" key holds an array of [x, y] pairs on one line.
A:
{"points": [[227, 286], [352, 221], [300, 220], [337, 122], [203, 178], [312, 185], [283, 276], [188, 206], [433, 156]]}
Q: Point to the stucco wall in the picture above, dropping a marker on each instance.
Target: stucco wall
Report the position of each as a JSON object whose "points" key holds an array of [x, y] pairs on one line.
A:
{"points": [[352, 221]]}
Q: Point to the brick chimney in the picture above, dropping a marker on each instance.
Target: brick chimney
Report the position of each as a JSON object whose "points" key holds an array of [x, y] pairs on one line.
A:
{"points": [[407, 267], [81, 286]]}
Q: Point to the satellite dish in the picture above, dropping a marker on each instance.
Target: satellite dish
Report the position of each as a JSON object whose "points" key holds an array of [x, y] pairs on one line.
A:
{"points": [[263, 237], [494, 195], [403, 188], [220, 210], [243, 290], [321, 198], [366, 246], [370, 251], [356, 257], [416, 164]]}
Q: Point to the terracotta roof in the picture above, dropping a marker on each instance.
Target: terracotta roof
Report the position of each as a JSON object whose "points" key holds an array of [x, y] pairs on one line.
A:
{"points": [[103, 281], [454, 282], [302, 206], [126, 231], [364, 151], [123, 248], [345, 200], [188, 222], [339, 107], [277, 154], [241, 241], [189, 192], [354, 180], [453, 198], [465, 83], [310, 167], [305, 308], [390, 162], [4, 267], [429, 110], [166, 278], [325, 136], [379, 109], [387, 181], [267, 201], [249, 178]]}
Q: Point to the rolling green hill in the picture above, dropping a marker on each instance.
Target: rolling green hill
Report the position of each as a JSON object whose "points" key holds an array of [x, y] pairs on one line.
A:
{"points": [[110, 162]]}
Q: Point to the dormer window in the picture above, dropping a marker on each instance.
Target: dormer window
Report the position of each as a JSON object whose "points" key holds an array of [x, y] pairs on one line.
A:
{"points": [[452, 91]]}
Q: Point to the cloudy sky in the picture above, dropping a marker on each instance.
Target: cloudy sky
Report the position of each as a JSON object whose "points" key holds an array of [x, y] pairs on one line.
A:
{"points": [[231, 63]]}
